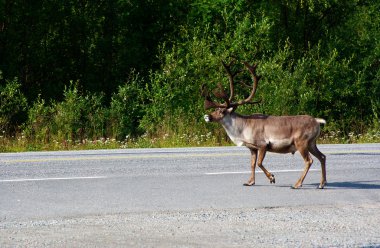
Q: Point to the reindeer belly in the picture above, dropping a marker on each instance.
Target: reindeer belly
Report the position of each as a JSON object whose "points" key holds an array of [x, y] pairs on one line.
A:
{"points": [[281, 145]]}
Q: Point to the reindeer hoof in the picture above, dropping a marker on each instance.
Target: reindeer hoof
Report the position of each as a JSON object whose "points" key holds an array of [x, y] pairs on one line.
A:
{"points": [[272, 179], [248, 184]]}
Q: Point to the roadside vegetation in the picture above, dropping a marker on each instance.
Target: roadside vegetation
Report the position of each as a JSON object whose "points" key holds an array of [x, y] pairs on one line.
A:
{"points": [[127, 74]]}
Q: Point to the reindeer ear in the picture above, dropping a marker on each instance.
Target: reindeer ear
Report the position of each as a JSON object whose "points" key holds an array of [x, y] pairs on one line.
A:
{"points": [[231, 110]]}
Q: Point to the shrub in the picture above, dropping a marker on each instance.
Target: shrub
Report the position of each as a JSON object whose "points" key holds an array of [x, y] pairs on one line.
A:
{"points": [[127, 108], [79, 117], [38, 128], [13, 105], [76, 118]]}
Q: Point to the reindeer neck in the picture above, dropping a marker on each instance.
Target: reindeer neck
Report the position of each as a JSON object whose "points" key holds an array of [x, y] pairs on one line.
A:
{"points": [[234, 126]]}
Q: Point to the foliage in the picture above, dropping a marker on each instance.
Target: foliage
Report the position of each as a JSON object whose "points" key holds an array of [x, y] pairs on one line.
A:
{"points": [[48, 43], [138, 67], [77, 118], [40, 121], [12, 106], [299, 77], [127, 109]]}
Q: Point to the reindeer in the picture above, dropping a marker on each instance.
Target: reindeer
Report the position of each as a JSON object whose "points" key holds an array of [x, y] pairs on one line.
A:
{"points": [[261, 133]]}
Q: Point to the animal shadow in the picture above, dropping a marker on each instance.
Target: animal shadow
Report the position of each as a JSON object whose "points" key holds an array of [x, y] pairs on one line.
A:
{"points": [[374, 184]]}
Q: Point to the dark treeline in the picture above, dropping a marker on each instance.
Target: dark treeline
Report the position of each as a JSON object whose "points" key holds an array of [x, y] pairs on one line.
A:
{"points": [[48, 43], [88, 69]]}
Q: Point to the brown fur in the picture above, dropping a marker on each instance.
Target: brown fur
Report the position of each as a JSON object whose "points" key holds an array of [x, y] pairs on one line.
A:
{"points": [[279, 134], [262, 133]]}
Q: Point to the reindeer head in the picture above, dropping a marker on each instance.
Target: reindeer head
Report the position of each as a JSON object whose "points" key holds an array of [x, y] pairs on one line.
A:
{"points": [[228, 106], [218, 114]]}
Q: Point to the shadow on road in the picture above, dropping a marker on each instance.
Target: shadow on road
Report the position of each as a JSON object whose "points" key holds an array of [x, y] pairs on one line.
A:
{"points": [[355, 154], [375, 184]]}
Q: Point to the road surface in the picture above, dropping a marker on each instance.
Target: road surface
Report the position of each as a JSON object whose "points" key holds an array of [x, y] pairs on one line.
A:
{"points": [[188, 197]]}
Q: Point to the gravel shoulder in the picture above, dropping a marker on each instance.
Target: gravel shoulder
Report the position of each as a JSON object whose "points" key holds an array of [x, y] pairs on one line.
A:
{"points": [[303, 226]]}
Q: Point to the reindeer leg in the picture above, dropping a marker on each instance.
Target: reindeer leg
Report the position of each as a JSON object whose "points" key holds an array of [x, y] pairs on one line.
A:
{"points": [[270, 176], [251, 180], [308, 161], [322, 158]]}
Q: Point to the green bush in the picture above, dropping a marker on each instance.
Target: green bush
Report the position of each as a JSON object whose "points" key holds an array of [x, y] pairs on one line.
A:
{"points": [[79, 117], [38, 128], [13, 105], [127, 109]]}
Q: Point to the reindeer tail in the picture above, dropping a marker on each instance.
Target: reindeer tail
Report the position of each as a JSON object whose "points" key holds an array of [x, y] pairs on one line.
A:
{"points": [[321, 121]]}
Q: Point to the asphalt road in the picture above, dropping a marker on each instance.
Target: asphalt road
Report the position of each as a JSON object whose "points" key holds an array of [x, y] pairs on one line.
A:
{"points": [[69, 198]]}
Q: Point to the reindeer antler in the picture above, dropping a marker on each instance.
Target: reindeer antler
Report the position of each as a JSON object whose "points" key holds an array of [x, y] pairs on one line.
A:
{"points": [[255, 79], [209, 103], [220, 93], [231, 76]]}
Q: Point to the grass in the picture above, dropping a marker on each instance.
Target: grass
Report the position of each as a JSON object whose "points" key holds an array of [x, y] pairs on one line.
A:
{"points": [[338, 137], [21, 144]]}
